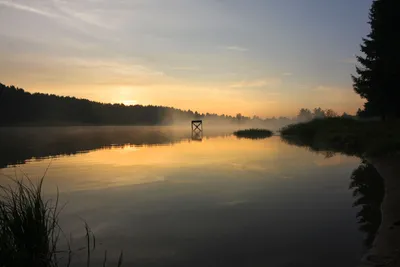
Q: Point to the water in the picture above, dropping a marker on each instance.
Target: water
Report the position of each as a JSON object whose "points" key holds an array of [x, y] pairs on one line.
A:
{"points": [[167, 200]]}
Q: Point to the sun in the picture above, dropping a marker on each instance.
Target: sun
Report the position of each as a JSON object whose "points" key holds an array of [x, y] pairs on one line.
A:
{"points": [[129, 102]]}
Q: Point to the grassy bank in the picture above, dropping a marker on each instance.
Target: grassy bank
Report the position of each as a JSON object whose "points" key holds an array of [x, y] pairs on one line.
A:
{"points": [[349, 136], [253, 133], [30, 231]]}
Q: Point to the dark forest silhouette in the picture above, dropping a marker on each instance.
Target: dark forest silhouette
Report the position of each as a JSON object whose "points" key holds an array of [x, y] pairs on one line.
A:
{"points": [[19, 107], [306, 114], [378, 72]]}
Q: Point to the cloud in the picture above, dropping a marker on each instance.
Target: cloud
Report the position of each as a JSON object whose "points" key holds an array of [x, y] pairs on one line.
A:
{"points": [[268, 82], [118, 67], [70, 13], [273, 93], [82, 13], [236, 48], [28, 9], [287, 74], [339, 99], [51, 70], [186, 68], [322, 88]]}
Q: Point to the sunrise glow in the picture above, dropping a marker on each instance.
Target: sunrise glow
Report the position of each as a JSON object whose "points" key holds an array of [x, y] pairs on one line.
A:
{"points": [[211, 56]]}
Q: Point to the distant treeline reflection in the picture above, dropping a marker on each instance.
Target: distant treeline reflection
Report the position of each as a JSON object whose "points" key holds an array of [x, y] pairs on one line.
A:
{"points": [[23, 143]]}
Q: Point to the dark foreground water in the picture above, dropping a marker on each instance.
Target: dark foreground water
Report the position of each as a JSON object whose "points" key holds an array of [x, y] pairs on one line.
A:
{"points": [[167, 200]]}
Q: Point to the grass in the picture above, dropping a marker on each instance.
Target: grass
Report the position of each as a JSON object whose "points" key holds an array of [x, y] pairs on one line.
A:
{"points": [[29, 227], [345, 135], [30, 231], [253, 133]]}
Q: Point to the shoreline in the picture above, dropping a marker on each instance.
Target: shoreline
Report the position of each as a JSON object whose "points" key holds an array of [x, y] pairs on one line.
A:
{"points": [[385, 250]]}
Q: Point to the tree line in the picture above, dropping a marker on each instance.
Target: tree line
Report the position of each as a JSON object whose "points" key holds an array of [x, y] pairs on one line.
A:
{"points": [[378, 69], [19, 107], [318, 113]]}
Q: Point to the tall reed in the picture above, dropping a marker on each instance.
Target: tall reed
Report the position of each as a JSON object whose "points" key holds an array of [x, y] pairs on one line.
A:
{"points": [[30, 231]]}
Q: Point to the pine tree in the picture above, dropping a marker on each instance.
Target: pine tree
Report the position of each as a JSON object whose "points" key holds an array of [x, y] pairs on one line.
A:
{"points": [[378, 72]]}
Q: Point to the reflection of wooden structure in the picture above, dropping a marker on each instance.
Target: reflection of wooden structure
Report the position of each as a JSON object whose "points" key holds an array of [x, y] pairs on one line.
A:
{"points": [[197, 130], [197, 136]]}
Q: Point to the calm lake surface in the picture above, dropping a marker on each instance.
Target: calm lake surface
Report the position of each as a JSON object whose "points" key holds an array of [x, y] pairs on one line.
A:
{"points": [[167, 200]]}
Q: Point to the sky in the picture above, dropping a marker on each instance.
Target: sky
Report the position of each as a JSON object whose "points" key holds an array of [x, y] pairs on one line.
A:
{"points": [[255, 57]]}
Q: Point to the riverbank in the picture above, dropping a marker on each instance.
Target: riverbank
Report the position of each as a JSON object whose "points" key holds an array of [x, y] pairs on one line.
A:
{"points": [[345, 135], [385, 250], [377, 141]]}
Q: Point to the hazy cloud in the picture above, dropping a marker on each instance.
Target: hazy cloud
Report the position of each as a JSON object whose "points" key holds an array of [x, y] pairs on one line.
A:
{"points": [[186, 68], [339, 99], [28, 9], [322, 88], [273, 93], [116, 68], [82, 13], [269, 82], [236, 48]]}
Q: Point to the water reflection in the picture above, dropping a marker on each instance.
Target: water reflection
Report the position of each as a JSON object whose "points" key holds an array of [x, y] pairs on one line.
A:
{"points": [[123, 165], [20, 144], [220, 202], [368, 190], [366, 183], [197, 135]]}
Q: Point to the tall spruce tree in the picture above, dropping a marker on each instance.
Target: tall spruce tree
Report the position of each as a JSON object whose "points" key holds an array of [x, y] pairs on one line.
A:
{"points": [[378, 72]]}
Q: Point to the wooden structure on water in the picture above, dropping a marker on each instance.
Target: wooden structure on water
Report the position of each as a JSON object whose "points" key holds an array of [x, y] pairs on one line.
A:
{"points": [[197, 125], [197, 130]]}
